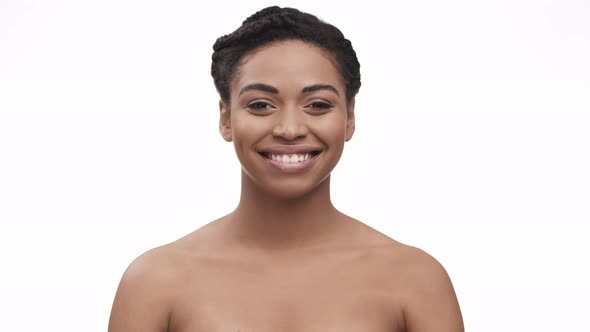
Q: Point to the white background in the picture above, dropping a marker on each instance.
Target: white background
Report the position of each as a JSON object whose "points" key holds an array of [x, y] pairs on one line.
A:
{"points": [[472, 143]]}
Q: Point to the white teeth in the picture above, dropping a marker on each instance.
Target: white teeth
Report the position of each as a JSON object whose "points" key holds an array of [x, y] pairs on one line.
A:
{"points": [[290, 158]]}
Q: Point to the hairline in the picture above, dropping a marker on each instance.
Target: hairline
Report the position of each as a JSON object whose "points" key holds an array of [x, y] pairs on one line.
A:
{"points": [[324, 51]]}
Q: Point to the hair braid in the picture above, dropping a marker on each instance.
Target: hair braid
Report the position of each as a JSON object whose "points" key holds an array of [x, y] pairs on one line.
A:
{"points": [[274, 24]]}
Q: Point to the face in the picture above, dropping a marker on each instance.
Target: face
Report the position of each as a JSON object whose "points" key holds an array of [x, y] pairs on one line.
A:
{"points": [[288, 118]]}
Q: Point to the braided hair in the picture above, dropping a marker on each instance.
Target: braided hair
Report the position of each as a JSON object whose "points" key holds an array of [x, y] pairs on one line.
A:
{"points": [[273, 24]]}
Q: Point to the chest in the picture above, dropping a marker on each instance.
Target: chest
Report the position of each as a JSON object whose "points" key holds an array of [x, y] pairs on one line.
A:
{"points": [[337, 297]]}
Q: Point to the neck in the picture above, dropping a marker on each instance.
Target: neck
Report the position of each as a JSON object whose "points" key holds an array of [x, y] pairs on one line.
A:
{"points": [[264, 221]]}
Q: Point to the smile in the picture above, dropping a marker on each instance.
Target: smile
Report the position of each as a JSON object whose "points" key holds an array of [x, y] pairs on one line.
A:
{"points": [[291, 163], [290, 158]]}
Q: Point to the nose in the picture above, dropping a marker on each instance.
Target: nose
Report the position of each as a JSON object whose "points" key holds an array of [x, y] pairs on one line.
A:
{"points": [[290, 124]]}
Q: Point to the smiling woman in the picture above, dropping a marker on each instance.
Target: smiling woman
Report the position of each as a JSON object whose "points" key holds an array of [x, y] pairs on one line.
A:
{"points": [[289, 104], [286, 259]]}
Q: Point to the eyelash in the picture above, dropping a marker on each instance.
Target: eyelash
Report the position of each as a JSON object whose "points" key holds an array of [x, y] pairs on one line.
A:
{"points": [[318, 104], [253, 105], [322, 105]]}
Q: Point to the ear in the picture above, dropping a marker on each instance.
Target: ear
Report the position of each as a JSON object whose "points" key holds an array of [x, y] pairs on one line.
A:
{"points": [[225, 122], [350, 120]]}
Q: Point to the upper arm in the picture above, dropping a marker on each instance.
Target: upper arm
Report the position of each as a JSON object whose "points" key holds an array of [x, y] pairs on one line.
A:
{"points": [[143, 302], [431, 303]]}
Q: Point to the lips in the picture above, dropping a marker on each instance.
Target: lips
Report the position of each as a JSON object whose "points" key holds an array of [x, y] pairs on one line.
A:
{"points": [[268, 154], [291, 167], [289, 150], [291, 158]]}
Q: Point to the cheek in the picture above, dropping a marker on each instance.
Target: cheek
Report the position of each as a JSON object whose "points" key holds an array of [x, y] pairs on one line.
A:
{"points": [[247, 131], [246, 123], [332, 128]]}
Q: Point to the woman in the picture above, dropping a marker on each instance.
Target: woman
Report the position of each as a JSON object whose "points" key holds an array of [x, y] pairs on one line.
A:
{"points": [[285, 259]]}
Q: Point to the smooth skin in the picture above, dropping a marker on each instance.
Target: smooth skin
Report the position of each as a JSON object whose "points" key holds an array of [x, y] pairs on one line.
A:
{"points": [[286, 260]]}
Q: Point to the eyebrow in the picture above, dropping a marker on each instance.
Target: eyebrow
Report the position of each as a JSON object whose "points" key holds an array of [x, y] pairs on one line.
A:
{"points": [[317, 87], [273, 90], [260, 87]]}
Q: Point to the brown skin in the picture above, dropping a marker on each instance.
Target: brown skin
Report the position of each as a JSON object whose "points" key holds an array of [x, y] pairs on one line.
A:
{"points": [[286, 259]]}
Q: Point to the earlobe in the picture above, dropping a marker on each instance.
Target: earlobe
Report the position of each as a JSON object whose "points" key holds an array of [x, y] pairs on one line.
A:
{"points": [[224, 122]]}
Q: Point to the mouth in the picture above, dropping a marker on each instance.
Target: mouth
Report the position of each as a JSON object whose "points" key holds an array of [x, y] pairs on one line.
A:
{"points": [[290, 157], [291, 163]]}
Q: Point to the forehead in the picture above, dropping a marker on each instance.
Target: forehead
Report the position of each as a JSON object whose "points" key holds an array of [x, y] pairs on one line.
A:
{"points": [[288, 65]]}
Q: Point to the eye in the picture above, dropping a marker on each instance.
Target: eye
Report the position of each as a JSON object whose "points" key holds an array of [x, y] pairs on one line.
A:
{"points": [[318, 105], [259, 105], [259, 108]]}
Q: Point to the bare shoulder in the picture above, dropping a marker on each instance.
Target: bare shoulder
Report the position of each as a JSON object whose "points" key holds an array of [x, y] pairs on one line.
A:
{"points": [[425, 291], [417, 262], [420, 270], [145, 295], [420, 288], [148, 293]]}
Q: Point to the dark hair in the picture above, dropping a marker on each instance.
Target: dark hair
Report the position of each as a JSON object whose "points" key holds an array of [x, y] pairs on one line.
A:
{"points": [[274, 24]]}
